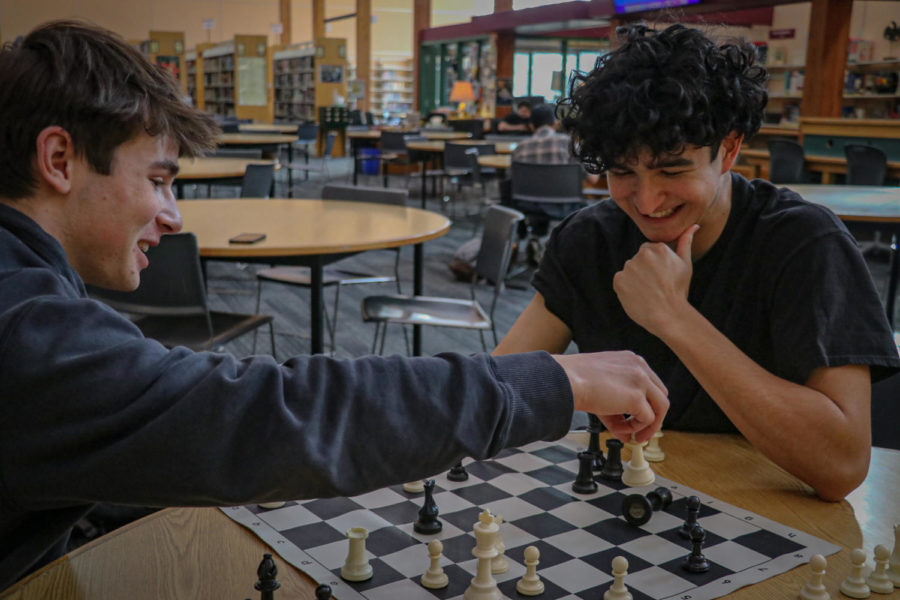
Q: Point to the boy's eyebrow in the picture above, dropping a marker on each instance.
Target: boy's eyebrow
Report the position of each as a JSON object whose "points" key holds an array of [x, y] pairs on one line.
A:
{"points": [[170, 165], [669, 162]]}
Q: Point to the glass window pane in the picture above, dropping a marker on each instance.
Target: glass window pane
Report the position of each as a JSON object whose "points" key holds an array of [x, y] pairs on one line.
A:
{"points": [[520, 74], [586, 61], [542, 68]]}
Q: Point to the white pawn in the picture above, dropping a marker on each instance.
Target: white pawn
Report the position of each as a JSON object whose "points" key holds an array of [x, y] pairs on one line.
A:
{"points": [[435, 578], [531, 584], [814, 589], [653, 452], [636, 472], [879, 581], [618, 591], [499, 564], [414, 487], [855, 585], [357, 568], [894, 568]]}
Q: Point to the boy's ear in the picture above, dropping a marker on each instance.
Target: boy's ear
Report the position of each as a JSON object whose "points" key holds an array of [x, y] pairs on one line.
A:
{"points": [[730, 147], [54, 158]]}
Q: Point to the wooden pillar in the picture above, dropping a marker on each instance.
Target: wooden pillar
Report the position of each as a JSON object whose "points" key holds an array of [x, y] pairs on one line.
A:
{"points": [[421, 22], [826, 58], [614, 40], [284, 14], [364, 50], [506, 50], [318, 19]]}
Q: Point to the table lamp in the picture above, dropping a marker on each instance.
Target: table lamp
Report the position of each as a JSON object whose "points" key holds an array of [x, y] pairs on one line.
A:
{"points": [[462, 92]]}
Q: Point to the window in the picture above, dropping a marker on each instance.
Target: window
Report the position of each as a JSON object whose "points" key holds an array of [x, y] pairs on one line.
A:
{"points": [[521, 74]]}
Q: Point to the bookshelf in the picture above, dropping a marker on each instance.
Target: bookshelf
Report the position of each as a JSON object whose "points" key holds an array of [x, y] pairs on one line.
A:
{"points": [[307, 76], [236, 78], [166, 49], [392, 86], [193, 60]]}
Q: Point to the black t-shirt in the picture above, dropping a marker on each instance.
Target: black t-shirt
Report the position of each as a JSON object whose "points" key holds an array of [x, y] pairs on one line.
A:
{"points": [[515, 119], [785, 282]]}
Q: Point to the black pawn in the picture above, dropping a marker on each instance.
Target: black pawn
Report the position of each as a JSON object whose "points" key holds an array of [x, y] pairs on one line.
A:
{"points": [[693, 509], [323, 592], [584, 483], [427, 522], [267, 584], [696, 562], [612, 468], [637, 509], [458, 472], [595, 426]]}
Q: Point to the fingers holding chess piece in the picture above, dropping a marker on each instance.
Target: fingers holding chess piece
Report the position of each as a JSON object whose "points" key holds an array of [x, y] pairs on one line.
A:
{"points": [[435, 578], [531, 584], [814, 589]]}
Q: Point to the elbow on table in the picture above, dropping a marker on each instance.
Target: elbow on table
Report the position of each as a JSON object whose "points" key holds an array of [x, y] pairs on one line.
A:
{"points": [[841, 479]]}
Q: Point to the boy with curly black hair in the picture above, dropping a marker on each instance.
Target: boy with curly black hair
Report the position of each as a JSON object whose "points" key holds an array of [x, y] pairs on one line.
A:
{"points": [[753, 305]]}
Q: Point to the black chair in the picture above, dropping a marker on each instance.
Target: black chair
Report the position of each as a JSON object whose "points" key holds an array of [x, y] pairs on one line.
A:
{"points": [[258, 181], [222, 152], [461, 164], [546, 192], [785, 161], [307, 133], [231, 127], [474, 127], [306, 167], [335, 276], [170, 304], [866, 165], [491, 265]]}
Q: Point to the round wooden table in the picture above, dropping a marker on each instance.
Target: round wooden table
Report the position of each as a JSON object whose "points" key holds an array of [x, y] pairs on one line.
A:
{"points": [[267, 128], [311, 233], [201, 553], [211, 170], [267, 142]]}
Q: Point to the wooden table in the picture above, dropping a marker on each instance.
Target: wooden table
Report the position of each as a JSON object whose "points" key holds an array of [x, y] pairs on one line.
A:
{"points": [[267, 142], [201, 553], [828, 166], [267, 128], [211, 170], [431, 148], [311, 233], [879, 207], [372, 136]]}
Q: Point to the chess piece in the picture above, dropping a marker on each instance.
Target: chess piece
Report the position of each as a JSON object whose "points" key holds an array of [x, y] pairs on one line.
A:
{"points": [[814, 589], [854, 585], [878, 581], [618, 591], [612, 467], [483, 585], [357, 568], [531, 584], [267, 584], [695, 562], [435, 578], [893, 572], [653, 452], [595, 426], [499, 564], [637, 508], [693, 509], [427, 522], [323, 591], [458, 472], [414, 487], [584, 483], [271, 505], [637, 471]]}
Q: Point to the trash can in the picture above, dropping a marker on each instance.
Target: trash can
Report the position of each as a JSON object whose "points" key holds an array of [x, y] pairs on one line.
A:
{"points": [[369, 160]]}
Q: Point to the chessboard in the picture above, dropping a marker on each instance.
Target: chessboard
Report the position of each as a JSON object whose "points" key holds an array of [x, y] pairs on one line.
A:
{"points": [[577, 535]]}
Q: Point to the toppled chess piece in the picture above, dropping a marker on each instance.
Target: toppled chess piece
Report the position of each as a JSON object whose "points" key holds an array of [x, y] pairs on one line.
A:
{"points": [[531, 584], [612, 468], [357, 568], [637, 471], [271, 505], [458, 472], [618, 591], [414, 487], [435, 578], [323, 591], [584, 483], [695, 562], [637, 508], [693, 510], [267, 572], [428, 522], [878, 581], [814, 589]]}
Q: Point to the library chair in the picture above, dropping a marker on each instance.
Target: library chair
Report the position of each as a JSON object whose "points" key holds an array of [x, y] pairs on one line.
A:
{"points": [[335, 276], [474, 127], [392, 150], [786, 161], [259, 181], [307, 134], [866, 165], [306, 167], [491, 265], [170, 304], [462, 169]]}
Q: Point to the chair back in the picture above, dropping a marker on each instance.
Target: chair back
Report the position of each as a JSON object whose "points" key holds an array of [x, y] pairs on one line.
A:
{"points": [[785, 161], [545, 183], [497, 239], [222, 152], [257, 181], [172, 285], [307, 133], [866, 165], [231, 127], [474, 127], [455, 157], [355, 117], [370, 118], [394, 141], [359, 193]]}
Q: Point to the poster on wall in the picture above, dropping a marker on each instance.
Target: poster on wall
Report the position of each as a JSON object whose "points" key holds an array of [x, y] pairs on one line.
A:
{"points": [[172, 64], [331, 74], [252, 81]]}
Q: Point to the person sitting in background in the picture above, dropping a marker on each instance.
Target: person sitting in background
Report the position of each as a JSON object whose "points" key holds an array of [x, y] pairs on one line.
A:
{"points": [[517, 122], [754, 306]]}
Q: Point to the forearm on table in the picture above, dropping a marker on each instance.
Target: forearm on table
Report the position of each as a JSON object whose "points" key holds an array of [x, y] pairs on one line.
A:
{"points": [[799, 428]]}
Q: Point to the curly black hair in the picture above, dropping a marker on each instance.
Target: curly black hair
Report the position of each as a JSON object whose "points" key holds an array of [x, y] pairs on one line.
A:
{"points": [[662, 91]]}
